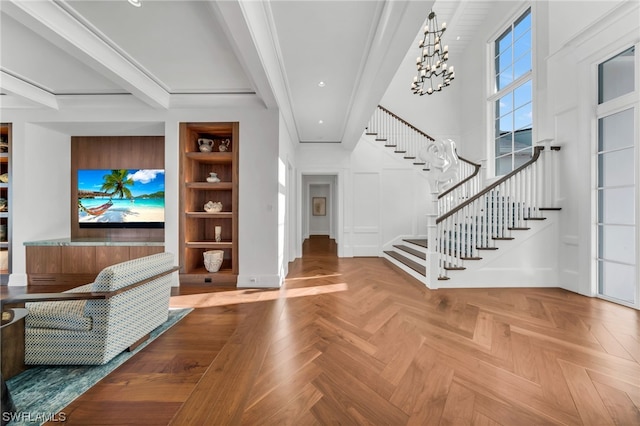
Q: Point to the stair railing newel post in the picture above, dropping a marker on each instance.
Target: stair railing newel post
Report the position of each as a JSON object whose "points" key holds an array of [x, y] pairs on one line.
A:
{"points": [[433, 262], [546, 175]]}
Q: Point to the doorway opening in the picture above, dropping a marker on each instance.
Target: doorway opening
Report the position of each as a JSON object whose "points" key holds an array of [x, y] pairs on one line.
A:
{"points": [[319, 214], [319, 246]]}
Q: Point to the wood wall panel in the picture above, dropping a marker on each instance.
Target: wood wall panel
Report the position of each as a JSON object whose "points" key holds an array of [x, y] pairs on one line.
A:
{"points": [[106, 256], [114, 152], [44, 259], [53, 265], [141, 251], [78, 260]]}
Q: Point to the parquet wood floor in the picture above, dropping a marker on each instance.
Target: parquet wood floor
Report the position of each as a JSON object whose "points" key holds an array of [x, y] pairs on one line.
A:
{"points": [[356, 341]]}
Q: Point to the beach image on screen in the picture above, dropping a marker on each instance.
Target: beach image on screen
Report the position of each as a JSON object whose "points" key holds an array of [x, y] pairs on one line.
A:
{"points": [[126, 196]]}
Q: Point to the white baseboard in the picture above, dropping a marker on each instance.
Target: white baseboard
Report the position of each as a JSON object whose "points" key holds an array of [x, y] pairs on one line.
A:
{"points": [[259, 281], [18, 280]]}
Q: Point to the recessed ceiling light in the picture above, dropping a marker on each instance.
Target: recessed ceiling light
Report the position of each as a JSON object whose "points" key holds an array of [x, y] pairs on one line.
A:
{"points": [[320, 122], [322, 84], [135, 3], [458, 38]]}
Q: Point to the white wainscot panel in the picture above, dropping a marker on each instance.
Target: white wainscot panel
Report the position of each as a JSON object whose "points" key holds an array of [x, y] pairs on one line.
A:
{"points": [[365, 239], [366, 199], [398, 204]]}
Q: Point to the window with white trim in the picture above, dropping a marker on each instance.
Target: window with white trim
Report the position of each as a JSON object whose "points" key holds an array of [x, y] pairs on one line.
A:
{"points": [[617, 179], [512, 97]]}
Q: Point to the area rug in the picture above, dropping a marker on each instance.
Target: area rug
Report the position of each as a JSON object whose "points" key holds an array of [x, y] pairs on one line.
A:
{"points": [[40, 392]]}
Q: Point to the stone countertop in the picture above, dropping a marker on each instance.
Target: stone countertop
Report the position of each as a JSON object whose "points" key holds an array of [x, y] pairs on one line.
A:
{"points": [[93, 242]]}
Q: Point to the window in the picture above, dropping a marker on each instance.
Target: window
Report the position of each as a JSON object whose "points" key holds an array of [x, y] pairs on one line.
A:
{"points": [[616, 182], [616, 76], [513, 96]]}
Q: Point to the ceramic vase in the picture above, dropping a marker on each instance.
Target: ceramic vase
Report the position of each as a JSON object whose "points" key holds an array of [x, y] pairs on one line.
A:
{"points": [[213, 260], [213, 178], [205, 145]]}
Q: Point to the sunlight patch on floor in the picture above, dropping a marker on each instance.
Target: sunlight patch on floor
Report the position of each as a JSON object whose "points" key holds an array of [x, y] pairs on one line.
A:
{"points": [[312, 277], [250, 295]]}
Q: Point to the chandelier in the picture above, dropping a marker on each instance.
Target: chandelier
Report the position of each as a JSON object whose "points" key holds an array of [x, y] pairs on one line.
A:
{"points": [[433, 74]]}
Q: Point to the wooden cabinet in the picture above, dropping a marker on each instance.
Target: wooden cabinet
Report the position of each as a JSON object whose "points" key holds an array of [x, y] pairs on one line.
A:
{"points": [[78, 264], [5, 196], [198, 227]]}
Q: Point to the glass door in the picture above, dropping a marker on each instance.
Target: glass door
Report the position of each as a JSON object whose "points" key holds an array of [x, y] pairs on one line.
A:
{"points": [[617, 177]]}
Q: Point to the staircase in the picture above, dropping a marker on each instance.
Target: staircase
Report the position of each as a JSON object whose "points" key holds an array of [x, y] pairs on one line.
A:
{"points": [[471, 221]]}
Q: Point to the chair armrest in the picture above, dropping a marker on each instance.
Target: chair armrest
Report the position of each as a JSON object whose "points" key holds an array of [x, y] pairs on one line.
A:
{"points": [[58, 297], [52, 297], [12, 315]]}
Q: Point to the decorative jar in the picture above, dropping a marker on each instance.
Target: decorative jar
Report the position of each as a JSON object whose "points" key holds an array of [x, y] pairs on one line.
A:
{"points": [[213, 177], [213, 260]]}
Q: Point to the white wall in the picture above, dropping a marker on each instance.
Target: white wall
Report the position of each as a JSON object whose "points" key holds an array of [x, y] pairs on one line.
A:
{"points": [[379, 195], [40, 190], [320, 225], [568, 19], [41, 155], [287, 199]]}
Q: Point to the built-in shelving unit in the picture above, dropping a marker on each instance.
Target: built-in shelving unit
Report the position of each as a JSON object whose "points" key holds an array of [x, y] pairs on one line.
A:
{"points": [[197, 227], [5, 193]]}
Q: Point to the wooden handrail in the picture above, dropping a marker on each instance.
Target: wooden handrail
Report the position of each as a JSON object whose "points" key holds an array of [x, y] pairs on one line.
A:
{"points": [[462, 182], [425, 135], [406, 123], [536, 155]]}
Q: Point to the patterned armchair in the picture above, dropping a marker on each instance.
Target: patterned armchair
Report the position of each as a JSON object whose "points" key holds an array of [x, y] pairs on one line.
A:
{"points": [[121, 307]]}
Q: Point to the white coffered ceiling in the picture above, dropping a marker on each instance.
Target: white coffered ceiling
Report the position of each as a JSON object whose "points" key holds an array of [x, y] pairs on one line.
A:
{"points": [[56, 54]]}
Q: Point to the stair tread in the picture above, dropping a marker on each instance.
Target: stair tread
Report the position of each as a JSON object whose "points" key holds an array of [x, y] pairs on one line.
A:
{"points": [[503, 238], [486, 248], [535, 218], [422, 242], [381, 139], [454, 268], [550, 208], [518, 229], [417, 253], [421, 269]]}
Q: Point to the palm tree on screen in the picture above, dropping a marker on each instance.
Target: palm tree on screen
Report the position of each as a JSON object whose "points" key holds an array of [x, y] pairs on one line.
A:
{"points": [[115, 184]]}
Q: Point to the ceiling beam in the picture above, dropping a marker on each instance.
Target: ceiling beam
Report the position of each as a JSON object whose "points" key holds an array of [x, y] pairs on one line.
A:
{"points": [[53, 21], [250, 29], [397, 28], [20, 88]]}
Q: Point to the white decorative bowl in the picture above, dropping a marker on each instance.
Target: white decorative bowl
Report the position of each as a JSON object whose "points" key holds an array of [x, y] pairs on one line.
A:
{"points": [[212, 207]]}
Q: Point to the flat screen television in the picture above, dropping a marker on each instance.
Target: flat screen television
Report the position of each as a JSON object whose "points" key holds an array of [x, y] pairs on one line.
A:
{"points": [[121, 198]]}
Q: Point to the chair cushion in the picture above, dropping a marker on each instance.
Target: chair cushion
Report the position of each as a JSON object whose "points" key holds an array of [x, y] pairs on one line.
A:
{"points": [[67, 315]]}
